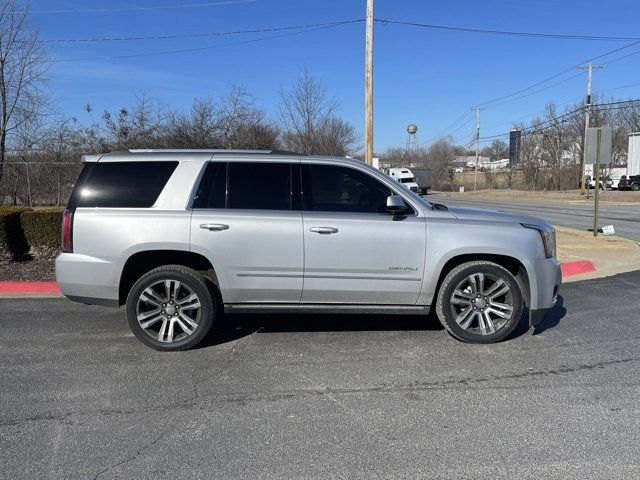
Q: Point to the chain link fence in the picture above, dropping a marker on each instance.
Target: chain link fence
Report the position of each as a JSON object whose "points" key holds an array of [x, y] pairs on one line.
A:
{"points": [[37, 184]]}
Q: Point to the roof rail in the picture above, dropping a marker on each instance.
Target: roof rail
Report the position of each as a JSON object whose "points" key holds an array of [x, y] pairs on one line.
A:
{"points": [[203, 150]]}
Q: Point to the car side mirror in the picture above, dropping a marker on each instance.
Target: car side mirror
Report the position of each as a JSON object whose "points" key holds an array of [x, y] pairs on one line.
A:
{"points": [[395, 204]]}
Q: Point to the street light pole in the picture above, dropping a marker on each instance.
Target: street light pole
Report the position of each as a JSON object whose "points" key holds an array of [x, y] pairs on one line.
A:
{"points": [[368, 84]]}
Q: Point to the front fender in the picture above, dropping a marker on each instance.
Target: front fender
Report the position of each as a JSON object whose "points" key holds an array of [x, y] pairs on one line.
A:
{"points": [[449, 239]]}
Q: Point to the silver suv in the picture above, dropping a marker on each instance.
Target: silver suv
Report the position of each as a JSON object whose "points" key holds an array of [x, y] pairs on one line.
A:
{"points": [[179, 236]]}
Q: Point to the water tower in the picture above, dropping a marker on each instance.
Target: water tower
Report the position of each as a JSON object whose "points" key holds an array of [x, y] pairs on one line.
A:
{"points": [[412, 137]]}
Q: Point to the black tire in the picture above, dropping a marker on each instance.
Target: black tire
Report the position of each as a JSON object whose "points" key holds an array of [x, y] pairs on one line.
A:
{"points": [[170, 317], [447, 309], [635, 187]]}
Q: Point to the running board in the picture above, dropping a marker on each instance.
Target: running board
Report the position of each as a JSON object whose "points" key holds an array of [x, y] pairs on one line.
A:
{"points": [[325, 308]]}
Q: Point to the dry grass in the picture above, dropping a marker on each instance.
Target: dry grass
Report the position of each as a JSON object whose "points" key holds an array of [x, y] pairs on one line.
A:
{"points": [[568, 196]]}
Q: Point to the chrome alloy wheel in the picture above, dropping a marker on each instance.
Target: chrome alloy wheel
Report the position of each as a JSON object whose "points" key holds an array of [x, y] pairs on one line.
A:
{"points": [[482, 303], [168, 311]]}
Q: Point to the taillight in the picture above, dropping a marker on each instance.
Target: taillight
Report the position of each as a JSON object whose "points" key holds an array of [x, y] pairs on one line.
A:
{"points": [[67, 231]]}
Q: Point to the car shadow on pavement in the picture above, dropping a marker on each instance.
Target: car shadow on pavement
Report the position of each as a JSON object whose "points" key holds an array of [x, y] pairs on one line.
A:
{"points": [[231, 327], [552, 318]]}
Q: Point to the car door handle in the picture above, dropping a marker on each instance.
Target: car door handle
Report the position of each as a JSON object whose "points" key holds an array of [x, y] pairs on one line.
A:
{"points": [[324, 230], [214, 227]]}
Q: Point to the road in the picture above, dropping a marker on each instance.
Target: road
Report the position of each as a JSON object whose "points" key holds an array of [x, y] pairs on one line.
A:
{"points": [[624, 217], [323, 396]]}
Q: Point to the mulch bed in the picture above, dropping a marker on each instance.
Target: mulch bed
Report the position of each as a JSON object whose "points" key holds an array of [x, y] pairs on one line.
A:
{"points": [[28, 270]]}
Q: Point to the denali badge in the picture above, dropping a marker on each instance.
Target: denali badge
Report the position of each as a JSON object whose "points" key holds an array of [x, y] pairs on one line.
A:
{"points": [[413, 269]]}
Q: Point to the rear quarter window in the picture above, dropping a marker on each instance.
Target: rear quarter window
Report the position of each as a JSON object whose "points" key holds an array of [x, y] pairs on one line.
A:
{"points": [[121, 184]]}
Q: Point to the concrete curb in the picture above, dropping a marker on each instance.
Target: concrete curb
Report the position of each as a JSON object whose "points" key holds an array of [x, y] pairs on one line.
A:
{"points": [[29, 287], [576, 268], [29, 290], [586, 257]]}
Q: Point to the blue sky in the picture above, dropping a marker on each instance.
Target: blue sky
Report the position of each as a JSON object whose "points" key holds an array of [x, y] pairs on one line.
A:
{"points": [[423, 76]]}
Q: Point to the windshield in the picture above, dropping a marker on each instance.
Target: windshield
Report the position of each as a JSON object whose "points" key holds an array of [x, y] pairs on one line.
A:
{"points": [[408, 180]]}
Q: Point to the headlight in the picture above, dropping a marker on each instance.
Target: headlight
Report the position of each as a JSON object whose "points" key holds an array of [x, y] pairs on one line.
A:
{"points": [[548, 235]]}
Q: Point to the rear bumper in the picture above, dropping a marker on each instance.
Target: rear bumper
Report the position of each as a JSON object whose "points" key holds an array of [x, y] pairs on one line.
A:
{"points": [[86, 279], [545, 280]]}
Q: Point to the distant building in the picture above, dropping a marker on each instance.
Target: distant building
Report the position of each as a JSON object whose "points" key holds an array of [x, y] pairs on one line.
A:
{"points": [[497, 164], [469, 161]]}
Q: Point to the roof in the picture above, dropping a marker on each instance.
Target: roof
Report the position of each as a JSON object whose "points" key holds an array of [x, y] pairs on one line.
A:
{"points": [[204, 150], [154, 154]]}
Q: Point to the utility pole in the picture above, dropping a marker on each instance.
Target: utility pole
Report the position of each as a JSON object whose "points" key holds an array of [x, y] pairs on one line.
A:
{"points": [[587, 112], [475, 180], [368, 85]]}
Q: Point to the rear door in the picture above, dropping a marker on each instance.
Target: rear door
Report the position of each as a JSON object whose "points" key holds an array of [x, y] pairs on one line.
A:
{"points": [[354, 251], [244, 223]]}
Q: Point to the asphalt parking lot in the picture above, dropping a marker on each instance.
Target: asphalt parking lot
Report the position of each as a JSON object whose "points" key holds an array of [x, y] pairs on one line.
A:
{"points": [[323, 396]]}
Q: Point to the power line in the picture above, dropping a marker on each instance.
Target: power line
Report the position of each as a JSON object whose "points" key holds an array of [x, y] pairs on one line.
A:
{"points": [[131, 9], [610, 38], [559, 74], [462, 117], [571, 100], [537, 91], [208, 47], [621, 102], [541, 126], [196, 35], [621, 58], [574, 99], [383, 21], [618, 88]]}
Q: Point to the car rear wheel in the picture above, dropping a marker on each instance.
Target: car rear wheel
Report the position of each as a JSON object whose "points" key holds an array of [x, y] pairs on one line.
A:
{"points": [[170, 308], [479, 302]]}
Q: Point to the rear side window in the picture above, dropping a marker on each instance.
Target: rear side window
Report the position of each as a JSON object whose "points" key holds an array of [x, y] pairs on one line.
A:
{"points": [[246, 185], [121, 184]]}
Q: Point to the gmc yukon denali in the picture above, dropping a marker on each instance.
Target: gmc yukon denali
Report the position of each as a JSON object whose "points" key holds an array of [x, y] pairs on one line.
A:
{"points": [[180, 236]]}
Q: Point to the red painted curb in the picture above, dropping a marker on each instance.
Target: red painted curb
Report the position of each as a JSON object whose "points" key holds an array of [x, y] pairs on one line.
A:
{"points": [[29, 287], [576, 268]]}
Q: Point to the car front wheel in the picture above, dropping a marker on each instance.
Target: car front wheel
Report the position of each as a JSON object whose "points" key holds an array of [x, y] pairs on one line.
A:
{"points": [[479, 302], [170, 308]]}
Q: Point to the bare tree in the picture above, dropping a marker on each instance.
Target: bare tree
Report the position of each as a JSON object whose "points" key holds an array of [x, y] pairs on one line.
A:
{"points": [[439, 158], [200, 128], [309, 123], [244, 125], [497, 150], [509, 176], [23, 69]]}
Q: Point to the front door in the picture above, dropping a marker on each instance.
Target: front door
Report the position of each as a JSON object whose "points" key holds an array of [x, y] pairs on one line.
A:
{"points": [[355, 252], [243, 222]]}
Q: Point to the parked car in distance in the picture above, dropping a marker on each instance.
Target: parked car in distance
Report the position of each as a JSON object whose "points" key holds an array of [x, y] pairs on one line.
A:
{"points": [[179, 236], [591, 183], [404, 176], [631, 182]]}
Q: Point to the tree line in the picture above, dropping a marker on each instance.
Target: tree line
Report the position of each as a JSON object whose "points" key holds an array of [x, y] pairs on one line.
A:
{"points": [[551, 148], [40, 148]]}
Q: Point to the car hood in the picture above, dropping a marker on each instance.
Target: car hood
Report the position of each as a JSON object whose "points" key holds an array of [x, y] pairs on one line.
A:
{"points": [[468, 213]]}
